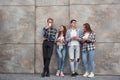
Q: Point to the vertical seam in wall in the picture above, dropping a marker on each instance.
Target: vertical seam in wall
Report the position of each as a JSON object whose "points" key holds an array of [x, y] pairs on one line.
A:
{"points": [[35, 38], [69, 10]]}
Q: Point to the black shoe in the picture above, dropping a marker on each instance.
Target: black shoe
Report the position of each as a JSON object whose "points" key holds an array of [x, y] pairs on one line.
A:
{"points": [[48, 75], [73, 75], [43, 74], [76, 74]]}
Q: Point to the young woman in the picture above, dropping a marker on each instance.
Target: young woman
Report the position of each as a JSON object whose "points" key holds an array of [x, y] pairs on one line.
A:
{"points": [[88, 49], [61, 50]]}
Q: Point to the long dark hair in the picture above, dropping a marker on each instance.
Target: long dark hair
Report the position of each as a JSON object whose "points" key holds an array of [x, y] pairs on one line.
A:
{"points": [[64, 31], [87, 27]]}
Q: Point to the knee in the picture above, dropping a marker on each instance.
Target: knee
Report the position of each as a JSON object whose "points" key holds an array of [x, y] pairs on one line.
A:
{"points": [[84, 61], [48, 58], [63, 59], [72, 60], [60, 58], [78, 60], [91, 62]]}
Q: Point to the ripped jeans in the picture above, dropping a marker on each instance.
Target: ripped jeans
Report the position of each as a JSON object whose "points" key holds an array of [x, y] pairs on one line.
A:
{"points": [[61, 52], [74, 56]]}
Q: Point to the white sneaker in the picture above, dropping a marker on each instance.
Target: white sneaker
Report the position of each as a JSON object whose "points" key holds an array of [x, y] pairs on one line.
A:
{"points": [[58, 73], [61, 74], [91, 75], [86, 74]]}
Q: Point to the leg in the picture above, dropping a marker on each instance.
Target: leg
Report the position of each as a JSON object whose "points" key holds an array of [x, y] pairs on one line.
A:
{"points": [[84, 60], [44, 57], [63, 58], [59, 57], [91, 60], [77, 57], [44, 54], [71, 57], [49, 54]]}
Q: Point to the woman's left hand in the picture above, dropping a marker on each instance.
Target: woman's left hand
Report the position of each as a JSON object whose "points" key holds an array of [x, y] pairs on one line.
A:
{"points": [[84, 39]]}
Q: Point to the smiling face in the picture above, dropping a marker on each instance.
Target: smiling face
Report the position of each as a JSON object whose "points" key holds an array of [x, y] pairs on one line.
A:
{"points": [[73, 24], [50, 22], [84, 28], [61, 28], [87, 28]]}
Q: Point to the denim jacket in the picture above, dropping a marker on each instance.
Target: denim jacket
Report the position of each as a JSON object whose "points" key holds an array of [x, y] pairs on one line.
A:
{"points": [[68, 38]]}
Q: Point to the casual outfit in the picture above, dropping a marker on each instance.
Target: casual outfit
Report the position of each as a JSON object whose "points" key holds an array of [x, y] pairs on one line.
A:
{"points": [[88, 52], [48, 44], [61, 52], [74, 48]]}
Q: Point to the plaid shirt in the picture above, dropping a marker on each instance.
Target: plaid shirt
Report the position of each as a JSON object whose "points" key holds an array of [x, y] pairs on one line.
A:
{"points": [[90, 43], [49, 34]]}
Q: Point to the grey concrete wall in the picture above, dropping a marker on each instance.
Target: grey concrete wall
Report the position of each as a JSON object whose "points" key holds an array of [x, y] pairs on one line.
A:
{"points": [[21, 23]]}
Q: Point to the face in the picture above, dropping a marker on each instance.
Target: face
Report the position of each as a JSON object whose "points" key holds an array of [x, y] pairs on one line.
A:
{"points": [[50, 22], [73, 24], [84, 29], [61, 28]]}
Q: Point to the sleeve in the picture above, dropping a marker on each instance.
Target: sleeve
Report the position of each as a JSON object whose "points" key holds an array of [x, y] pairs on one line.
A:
{"points": [[44, 32], [67, 37], [54, 34], [80, 35]]}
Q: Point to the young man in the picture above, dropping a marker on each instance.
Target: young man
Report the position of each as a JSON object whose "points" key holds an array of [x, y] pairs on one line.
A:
{"points": [[49, 34], [73, 37]]}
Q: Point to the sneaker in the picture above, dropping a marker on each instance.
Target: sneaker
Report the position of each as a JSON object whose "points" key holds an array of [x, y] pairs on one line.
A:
{"points": [[47, 74], [91, 75], [76, 73], [61, 74], [86, 74], [43, 74], [58, 73], [73, 75]]}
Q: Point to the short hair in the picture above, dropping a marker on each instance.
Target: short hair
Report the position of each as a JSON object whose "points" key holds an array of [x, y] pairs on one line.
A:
{"points": [[73, 20], [50, 19]]}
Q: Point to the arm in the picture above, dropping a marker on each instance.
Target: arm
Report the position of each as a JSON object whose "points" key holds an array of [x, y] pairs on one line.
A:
{"points": [[67, 37], [54, 34], [80, 36], [44, 32], [56, 38]]}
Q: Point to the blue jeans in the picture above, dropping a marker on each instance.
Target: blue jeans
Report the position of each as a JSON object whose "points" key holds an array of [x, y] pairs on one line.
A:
{"points": [[61, 52], [88, 56], [74, 55]]}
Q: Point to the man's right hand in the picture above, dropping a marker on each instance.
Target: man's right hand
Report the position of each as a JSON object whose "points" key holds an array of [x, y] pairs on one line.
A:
{"points": [[48, 26], [74, 38]]}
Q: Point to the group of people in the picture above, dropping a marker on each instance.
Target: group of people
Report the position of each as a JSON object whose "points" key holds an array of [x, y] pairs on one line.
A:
{"points": [[74, 39]]}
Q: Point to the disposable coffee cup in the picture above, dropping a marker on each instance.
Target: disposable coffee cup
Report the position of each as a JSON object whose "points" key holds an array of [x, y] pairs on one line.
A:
{"points": [[49, 24]]}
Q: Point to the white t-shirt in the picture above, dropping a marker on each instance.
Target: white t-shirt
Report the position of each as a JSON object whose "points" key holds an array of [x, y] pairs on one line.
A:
{"points": [[72, 34], [61, 38]]}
